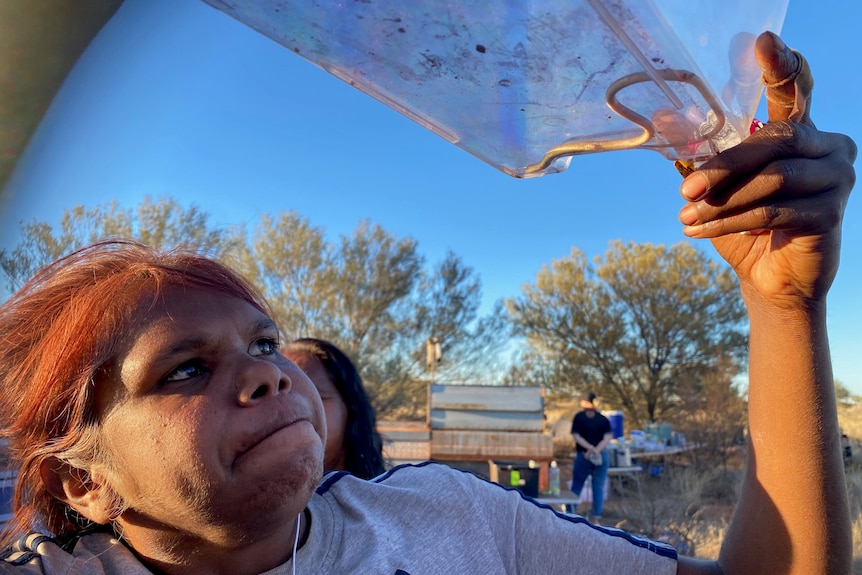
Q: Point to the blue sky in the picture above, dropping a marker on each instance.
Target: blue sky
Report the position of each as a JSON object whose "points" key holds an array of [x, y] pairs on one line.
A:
{"points": [[175, 98]]}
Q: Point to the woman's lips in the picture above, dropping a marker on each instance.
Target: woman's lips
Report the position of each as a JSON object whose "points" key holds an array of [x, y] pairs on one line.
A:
{"points": [[262, 435]]}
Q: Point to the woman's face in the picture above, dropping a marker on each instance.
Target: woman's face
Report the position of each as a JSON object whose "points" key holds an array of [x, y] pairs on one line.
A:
{"points": [[333, 406], [212, 434]]}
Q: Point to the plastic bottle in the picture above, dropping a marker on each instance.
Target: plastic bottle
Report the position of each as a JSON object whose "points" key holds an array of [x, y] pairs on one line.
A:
{"points": [[515, 478], [554, 480]]}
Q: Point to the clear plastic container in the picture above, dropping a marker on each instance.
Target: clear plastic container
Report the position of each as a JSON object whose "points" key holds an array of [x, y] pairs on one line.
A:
{"points": [[526, 85]]}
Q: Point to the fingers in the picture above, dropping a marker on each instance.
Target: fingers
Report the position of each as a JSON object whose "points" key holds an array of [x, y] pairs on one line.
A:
{"points": [[776, 141], [788, 80], [809, 215], [785, 175]]}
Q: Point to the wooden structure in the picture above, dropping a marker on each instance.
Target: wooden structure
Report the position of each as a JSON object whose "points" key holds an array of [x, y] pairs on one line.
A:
{"points": [[475, 423], [405, 441]]}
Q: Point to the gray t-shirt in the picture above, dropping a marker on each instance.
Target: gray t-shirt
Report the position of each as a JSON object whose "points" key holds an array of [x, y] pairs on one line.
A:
{"points": [[413, 520]]}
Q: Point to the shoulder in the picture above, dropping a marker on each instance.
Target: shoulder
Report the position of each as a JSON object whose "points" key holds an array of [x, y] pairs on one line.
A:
{"points": [[408, 484], [26, 551], [40, 553], [436, 514], [407, 475]]}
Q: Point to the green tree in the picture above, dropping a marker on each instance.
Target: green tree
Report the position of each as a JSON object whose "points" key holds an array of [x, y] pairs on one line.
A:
{"points": [[632, 326], [355, 293], [377, 273], [161, 223], [292, 263], [449, 300], [371, 294], [530, 367], [446, 305], [701, 398]]}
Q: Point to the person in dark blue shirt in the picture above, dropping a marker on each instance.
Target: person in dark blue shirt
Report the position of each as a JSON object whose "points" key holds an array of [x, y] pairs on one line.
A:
{"points": [[592, 433]]}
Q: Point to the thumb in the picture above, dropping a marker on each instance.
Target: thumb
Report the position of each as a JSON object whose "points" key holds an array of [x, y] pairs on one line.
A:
{"points": [[787, 78]]}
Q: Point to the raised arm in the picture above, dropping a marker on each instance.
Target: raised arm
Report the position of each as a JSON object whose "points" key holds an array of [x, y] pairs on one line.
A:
{"points": [[773, 208]]}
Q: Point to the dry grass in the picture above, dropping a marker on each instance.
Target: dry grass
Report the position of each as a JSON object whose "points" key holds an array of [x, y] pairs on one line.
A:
{"points": [[850, 419]]}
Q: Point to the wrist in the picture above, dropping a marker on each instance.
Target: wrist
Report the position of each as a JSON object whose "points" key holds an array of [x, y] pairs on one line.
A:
{"points": [[789, 297], [782, 308]]}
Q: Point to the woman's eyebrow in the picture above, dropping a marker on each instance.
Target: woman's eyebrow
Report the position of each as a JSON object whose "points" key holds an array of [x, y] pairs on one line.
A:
{"points": [[265, 324], [190, 344], [197, 342]]}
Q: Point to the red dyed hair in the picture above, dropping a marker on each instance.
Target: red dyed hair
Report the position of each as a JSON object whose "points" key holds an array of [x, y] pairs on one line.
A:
{"points": [[56, 333]]}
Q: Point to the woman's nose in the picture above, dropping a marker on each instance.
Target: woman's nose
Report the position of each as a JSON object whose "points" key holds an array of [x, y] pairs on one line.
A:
{"points": [[258, 379]]}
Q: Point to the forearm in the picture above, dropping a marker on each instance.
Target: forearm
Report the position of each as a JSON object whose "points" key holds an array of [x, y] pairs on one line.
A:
{"points": [[579, 439], [792, 517], [604, 442]]}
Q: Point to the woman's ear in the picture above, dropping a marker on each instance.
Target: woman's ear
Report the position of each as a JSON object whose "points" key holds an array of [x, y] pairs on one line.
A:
{"points": [[78, 489]]}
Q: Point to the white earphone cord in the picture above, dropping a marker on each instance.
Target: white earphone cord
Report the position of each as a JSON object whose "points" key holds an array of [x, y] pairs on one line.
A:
{"points": [[296, 541]]}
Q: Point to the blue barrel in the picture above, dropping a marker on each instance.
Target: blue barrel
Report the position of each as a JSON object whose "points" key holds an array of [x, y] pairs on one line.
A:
{"points": [[616, 419]]}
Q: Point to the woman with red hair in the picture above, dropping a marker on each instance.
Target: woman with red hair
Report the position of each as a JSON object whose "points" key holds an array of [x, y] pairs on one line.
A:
{"points": [[158, 427], [60, 333]]}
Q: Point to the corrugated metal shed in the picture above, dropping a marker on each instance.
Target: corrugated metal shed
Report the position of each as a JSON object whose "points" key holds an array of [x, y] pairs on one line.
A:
{"points": [[483, 407], [474, 423], [404, 430], [497, 420], [485, 445], [526, 399]]}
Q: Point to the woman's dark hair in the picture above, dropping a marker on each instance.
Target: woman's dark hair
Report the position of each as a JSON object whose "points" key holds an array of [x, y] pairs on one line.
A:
{"points": [[363, 446]]}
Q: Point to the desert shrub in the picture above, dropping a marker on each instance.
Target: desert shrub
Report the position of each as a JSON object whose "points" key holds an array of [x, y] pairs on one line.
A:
{"points": [[677, 507]]}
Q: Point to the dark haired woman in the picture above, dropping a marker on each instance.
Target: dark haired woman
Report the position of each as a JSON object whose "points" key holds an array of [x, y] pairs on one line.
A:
{"points": [[353, 443]]}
